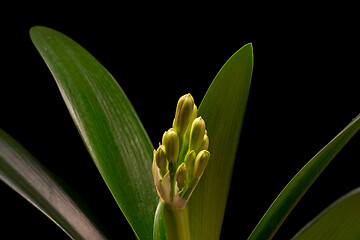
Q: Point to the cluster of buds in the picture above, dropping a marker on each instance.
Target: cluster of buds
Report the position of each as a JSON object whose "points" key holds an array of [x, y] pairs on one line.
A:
{"points": [[182, 157]]}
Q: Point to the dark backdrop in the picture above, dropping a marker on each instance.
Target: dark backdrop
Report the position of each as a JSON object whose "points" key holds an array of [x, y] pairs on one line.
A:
{"points": [[304, 91]]}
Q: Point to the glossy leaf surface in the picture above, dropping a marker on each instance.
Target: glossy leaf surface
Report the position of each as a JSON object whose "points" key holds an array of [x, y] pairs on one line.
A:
{"points": [[23, 173], [223, 109], [341, 220], [107, 123], [296, 188]]}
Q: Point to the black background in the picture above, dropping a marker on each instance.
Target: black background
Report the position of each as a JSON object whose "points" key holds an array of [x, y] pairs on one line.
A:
{"points": [[304, 91]]}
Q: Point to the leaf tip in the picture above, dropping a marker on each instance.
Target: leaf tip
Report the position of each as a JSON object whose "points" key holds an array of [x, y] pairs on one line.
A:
{"points": [[33, 30], [249, 47], [36, 31]]}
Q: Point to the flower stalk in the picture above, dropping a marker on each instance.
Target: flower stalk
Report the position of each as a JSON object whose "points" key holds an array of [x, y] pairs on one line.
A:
{"points": [[178, 165], [176, 223]]}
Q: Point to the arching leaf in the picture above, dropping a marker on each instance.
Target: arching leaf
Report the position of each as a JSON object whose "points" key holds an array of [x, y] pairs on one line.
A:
{"points": [[107, 123], [23, 173]]}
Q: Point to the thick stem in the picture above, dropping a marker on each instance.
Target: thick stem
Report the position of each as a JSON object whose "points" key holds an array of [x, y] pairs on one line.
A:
{"points": [[176, 223]]}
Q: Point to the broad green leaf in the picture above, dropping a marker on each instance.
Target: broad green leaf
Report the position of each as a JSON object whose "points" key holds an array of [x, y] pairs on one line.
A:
{"points": [[23, 173], [107, 123], [159, 223], [296, 188], [339, 221], [223, 109]]}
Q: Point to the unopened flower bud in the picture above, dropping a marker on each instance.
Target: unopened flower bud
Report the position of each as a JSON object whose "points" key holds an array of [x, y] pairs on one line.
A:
{"points": [[193, 116], [201, 162], [160, 157], [197, 133], [171, 143], [183, 114], [190, 158], [180, 160], [205, 143], [194, 113], [181, 175], [189, 162]]}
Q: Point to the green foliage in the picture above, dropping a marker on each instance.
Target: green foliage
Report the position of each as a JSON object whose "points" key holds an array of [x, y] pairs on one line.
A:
{"points": [[341, 220], [23, 173], [107, 123], [302, 181], [223, 109], [122, 152]]}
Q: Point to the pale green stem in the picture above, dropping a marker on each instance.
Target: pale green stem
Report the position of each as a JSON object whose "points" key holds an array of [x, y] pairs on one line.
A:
{"points": [[176, 223]]}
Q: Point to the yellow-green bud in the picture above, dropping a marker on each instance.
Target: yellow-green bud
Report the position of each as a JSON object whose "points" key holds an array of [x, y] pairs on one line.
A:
{"points": [[171, 142], [184, 111], [190, 158], [197, 133], [160, 157], [194, 113], [189, 162], [201, 162], [193, 116], [181, 175], [205, 143]]}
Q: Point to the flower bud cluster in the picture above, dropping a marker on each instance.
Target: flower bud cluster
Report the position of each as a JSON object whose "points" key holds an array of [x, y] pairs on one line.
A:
{"points": [[182, 156]]}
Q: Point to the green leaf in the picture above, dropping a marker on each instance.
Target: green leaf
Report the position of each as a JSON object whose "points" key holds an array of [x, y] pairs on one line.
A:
{"points": [[341, 220], [21, 171], [107, 123], [223, 109], [159, 223], [296, 188]]}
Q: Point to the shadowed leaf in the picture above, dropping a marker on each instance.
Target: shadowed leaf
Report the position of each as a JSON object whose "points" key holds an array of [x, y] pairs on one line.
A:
{"points": [[297, 187], [23, 173], [341, 220]]}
